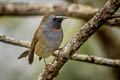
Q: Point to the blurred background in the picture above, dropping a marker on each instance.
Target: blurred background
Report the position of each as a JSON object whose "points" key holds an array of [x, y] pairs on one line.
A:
{"points": [[104, 43]]}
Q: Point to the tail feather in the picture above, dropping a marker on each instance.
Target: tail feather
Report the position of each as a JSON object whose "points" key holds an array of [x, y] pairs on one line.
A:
{"points": [[31, 57], [24, 54], [28, 53]]}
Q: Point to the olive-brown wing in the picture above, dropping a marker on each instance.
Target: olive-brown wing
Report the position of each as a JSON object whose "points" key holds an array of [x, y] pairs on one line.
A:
{"points": [[35, 39]]}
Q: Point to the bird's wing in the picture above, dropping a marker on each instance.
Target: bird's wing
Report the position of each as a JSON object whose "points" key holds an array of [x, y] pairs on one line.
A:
{"points": [[35, 39]]}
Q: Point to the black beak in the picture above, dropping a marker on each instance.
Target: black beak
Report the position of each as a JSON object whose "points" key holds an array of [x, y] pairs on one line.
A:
{"points": [[64, 17], [61, 18]]}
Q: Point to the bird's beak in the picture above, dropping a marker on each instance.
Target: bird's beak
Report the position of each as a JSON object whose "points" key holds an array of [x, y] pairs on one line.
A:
{"points": [[63, 17]]}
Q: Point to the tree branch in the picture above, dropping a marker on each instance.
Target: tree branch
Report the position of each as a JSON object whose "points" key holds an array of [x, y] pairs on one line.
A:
{"points": [[76, 57], [13, 41], [96, 60], [113, 22], [33, 9]]}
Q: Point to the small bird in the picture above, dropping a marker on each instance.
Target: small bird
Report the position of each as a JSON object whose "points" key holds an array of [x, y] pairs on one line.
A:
{"points": [[47, 37]]}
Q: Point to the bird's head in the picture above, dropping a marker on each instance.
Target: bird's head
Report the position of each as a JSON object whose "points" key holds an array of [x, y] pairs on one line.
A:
{"points": [[52, 20]]}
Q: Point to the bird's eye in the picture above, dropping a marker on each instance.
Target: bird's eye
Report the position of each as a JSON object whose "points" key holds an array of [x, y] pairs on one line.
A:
{"points": [[54, 19]]}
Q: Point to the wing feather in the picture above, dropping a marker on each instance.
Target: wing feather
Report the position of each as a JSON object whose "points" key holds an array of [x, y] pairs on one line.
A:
{"points": [[35, 39]]}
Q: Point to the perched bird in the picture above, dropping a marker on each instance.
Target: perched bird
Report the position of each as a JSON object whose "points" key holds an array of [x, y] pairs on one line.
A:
{"points": [[47, 37]]}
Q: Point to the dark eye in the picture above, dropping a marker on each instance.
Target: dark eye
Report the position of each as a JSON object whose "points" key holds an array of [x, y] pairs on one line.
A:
{"points": [[54, 19]]}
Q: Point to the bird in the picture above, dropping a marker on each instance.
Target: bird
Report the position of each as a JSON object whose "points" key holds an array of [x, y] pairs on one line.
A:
{"points": [[47, 37]]}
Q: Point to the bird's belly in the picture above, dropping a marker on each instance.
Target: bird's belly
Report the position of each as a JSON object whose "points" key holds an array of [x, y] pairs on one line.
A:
{"points": [[43, 51], [43, 54]]}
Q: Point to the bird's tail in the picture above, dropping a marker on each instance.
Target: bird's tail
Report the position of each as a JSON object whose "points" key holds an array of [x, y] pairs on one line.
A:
{"points": [[24, 54], [28, 53]]}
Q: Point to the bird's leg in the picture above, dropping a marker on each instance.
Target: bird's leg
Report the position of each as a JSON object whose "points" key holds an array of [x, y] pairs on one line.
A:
{"points": [[40, 58], [45, 63]]}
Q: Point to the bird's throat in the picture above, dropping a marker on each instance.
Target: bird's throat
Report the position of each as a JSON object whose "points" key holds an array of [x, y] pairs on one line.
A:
{"points": [[57, 29]]}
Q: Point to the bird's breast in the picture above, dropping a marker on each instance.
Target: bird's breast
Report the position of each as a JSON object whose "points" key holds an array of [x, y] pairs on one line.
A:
{"points": [[50, 41], [53, 38]]}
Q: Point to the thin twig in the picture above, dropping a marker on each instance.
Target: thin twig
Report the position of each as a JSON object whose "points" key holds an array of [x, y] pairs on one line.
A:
{"points": [[13, 41], [96, 60]]}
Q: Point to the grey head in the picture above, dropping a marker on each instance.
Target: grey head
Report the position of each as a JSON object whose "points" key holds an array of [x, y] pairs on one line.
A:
{"points": [[53, 20]]}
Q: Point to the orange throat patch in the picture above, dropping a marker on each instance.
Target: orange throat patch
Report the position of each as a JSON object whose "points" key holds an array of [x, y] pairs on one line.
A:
{"points": [[57, 30]]}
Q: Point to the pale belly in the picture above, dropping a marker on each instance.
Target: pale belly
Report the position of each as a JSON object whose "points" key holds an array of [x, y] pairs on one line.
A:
{"points": [[43, 51]]}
